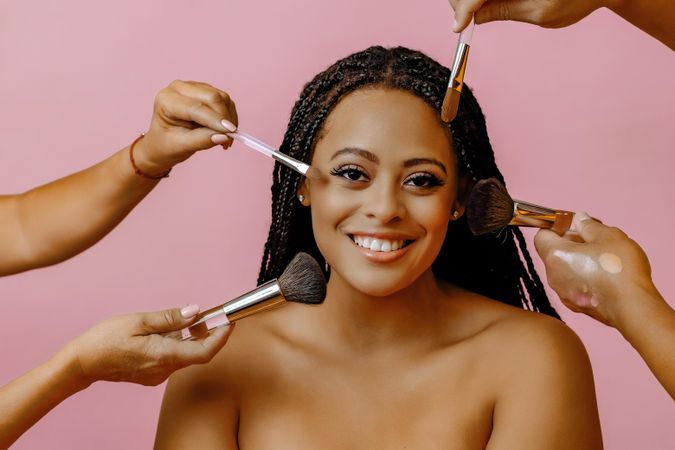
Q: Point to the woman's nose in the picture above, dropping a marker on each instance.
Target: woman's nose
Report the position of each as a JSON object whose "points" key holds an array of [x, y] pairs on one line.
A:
{"points": [[384, 202]]}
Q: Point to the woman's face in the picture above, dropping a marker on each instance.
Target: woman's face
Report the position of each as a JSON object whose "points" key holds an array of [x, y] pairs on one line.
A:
{"points": [[389, 184]]}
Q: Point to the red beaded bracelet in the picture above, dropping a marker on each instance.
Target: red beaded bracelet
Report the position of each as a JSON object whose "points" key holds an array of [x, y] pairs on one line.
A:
{"points": [[139, 171]]}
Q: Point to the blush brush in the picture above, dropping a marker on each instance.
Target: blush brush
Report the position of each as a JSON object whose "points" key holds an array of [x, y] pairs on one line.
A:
{"points": [[301, 282], [491, 208]]}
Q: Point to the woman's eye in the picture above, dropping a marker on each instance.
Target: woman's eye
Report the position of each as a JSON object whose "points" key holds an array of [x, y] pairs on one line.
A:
{"points": [[351, 173], [423, 180]]}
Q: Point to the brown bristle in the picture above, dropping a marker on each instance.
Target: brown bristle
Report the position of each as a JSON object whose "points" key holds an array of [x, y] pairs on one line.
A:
{"points": [[489, 208], [450, 105], [303, 280]]}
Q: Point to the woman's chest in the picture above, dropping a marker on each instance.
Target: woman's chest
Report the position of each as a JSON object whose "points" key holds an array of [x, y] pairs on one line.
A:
{"points": [[387, 406]]}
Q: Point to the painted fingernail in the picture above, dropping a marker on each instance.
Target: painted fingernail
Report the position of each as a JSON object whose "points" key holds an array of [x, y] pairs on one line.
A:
{"points": [[454, 26], [220, 138], [189, 311], [229, 125]]}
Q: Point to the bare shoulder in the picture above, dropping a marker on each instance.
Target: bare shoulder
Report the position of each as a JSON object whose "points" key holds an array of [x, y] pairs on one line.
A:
{"points": [[542, 377], [201, 402]]}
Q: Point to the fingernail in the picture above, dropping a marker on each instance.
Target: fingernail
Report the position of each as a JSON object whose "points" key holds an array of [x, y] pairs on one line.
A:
{"points": [[189, 311], [578, 218], [454, 26], [220, 138], [229, 125]]}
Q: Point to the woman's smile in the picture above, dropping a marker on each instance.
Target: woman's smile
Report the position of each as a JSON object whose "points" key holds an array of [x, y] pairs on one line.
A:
{"points": [[380, 247], [392, 186]]}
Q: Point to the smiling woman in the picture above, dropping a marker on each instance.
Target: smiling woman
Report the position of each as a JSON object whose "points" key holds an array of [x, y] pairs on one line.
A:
{"points": [[424, 340]]}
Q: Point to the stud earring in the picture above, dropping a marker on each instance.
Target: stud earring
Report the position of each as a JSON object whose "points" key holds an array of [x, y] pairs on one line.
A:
{"points": [[455, 214], [301, 198]]}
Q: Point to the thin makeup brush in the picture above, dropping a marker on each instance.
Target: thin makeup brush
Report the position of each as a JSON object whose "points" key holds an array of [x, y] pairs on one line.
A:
{"points": [[301, 282], [491, 208], [456, 83], [268, 150]]}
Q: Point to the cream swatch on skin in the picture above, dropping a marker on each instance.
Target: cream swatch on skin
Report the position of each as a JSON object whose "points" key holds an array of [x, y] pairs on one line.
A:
{"points": [[582, 265], [611, 263]]}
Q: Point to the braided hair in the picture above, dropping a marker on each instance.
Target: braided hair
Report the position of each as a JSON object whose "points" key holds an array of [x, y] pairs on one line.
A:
{"points": [[498, 265]]}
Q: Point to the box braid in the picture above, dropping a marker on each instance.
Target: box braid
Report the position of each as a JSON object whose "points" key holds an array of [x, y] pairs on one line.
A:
{"points": [[496, 265]]}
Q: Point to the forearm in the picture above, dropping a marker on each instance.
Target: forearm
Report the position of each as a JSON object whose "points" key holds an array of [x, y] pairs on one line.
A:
{"points": [[54, 222], [649, 325], [25, 400], [655, 17]]}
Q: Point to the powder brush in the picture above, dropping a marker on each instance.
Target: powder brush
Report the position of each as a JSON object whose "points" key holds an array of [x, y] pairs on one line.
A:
{"points": [[491, 208], [302, 282], [456, 83]]}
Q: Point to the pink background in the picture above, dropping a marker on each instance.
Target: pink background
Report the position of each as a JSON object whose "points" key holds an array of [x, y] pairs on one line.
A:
{"points": [[581, 118]]}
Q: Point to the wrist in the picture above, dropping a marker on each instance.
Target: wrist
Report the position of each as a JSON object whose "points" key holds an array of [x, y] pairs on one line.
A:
{"points": [[637, 308], [142, 164], [69, 366]]}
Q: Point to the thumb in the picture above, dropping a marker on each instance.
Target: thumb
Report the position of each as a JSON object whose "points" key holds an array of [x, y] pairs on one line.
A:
{"points": [[589, 229], [169, 319]]}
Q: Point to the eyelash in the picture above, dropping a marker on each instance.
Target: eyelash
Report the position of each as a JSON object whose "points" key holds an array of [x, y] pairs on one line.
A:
{"points": [[345, 171]]}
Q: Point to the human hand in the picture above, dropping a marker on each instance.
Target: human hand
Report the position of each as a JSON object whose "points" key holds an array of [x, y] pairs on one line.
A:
{"points": [[131, 348], [599, 275], [545, 13], [188, 116]]}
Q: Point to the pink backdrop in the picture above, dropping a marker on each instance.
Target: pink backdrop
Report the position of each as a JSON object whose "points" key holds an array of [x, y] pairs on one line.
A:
{"points": [[581, 118]]}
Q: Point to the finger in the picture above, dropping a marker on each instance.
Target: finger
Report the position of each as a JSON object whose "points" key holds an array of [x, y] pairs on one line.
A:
{"points": [[216, 99], [167, 320], [231, 106], [177, 108], [590, 230], [546, 241], [202, 350], [464, 11], [519, 10], [204, 138], [573, 236]]}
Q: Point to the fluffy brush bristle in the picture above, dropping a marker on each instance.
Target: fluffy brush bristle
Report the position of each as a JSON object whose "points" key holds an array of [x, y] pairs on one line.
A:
{"points": [[303, 280], [489, 208]]}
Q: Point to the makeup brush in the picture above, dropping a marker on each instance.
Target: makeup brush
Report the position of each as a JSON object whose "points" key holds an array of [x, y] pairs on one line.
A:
{"points": [[491, 208], [267, 150], [456, 83], [302, 282]]}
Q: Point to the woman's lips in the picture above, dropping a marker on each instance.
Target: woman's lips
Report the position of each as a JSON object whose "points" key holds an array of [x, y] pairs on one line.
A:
{"points": [[379, 248]]}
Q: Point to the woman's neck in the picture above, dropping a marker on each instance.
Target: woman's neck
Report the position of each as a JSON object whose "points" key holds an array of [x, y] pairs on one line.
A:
{"points": [[371, 323]]}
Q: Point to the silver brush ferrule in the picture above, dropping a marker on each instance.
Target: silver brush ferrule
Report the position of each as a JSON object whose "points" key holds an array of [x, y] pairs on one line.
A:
{"points": [[291, 162], [264, 297]]}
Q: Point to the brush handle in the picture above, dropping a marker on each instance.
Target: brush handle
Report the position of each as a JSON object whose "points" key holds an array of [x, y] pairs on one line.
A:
{"points": [[264, 297], [268, 150], [527, 214], [467, 34]]}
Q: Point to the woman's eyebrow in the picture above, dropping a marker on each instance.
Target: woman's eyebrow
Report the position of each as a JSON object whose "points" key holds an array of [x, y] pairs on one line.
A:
{"points": [[420, 161], [358, 152]]}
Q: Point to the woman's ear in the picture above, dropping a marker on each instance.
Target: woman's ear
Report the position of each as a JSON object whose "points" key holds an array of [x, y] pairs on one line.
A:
{"points": [[303, 193], [463, 190]]}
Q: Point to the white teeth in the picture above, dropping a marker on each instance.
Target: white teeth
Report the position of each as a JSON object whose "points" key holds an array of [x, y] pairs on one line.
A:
{"points": [[377, 245]]}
